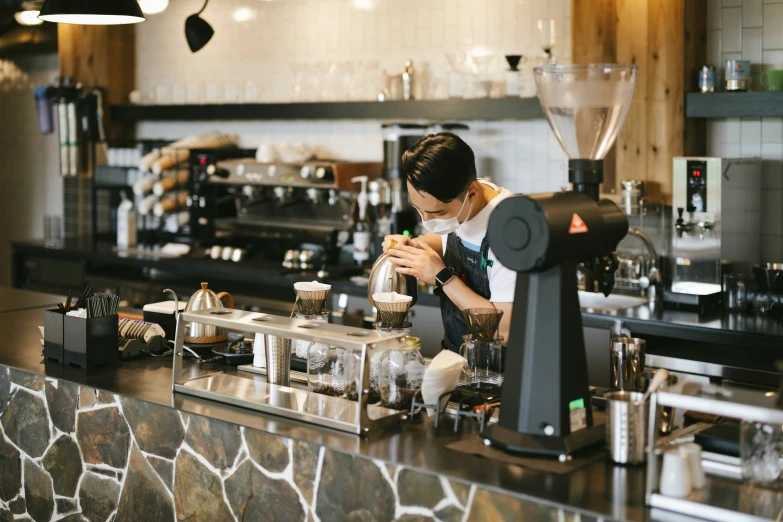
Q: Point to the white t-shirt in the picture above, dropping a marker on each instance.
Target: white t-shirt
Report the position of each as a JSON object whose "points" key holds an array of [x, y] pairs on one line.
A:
{"points": [[502, 281]]}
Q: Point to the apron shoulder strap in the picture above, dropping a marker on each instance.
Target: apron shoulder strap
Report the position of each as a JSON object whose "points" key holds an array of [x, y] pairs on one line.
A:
{"points": [[485, 261]]}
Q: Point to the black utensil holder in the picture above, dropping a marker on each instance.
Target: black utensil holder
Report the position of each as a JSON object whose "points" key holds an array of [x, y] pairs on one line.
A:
{"points": [[91, 343], [53, 336]]}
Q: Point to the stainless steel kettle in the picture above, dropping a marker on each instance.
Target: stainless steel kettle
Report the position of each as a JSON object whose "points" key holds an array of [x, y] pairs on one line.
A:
{"points": [[384, 278], [206, 299]]}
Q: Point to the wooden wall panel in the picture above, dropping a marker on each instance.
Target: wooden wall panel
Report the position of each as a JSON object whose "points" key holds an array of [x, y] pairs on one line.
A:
{"points": [[666, 39], [665, 91], [631, 145], [594, 37]]}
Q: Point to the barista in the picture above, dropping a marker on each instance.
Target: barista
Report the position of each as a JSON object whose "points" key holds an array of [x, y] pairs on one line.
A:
{"points": [[454, 255]]}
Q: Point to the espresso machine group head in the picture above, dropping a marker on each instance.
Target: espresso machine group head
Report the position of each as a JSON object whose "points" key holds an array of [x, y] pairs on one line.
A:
{"points": [[546, 238]]}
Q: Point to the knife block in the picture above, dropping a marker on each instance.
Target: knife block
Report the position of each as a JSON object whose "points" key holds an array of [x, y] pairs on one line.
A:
{"points": [[90, 343]]}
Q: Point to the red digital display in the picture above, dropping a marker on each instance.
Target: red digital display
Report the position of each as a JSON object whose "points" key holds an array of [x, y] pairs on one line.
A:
{"points": [[696, 173]]}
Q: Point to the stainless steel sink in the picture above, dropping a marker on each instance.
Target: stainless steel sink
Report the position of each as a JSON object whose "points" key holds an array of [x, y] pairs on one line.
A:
{"points": [[613, 303]]}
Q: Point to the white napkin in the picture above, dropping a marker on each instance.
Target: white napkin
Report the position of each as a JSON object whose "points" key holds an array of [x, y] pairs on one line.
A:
{"points": [[259, 352], [391, 297], [442, 376], [311, 286]]}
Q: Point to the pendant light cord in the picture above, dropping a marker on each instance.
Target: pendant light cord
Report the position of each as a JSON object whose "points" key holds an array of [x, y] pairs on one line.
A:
{"points": [[203, 7]]}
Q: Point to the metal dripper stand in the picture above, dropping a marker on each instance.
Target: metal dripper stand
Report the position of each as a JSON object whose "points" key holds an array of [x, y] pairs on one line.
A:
{"points": [[546, 238], [392, 314], [310, 302], [483, 323]]}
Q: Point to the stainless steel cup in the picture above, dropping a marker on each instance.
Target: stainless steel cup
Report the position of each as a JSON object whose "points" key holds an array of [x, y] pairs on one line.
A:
{"points": [[627, 364], [278, 360], [626, 427]]}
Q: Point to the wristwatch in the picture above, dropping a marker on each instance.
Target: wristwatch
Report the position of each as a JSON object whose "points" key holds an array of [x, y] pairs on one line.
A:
{"points": [[443, 277]]}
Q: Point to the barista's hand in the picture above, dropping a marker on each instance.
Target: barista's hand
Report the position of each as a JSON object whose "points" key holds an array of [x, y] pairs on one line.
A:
{"points": [[395, 240], [418, 260]]}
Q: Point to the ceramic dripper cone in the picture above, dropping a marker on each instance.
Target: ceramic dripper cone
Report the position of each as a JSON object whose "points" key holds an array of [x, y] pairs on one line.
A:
{"points": [[311, 297], [483, 322], [392, 308]]}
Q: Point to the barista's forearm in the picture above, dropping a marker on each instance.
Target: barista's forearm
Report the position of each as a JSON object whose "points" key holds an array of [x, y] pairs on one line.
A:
{"points": [[463, 297]]}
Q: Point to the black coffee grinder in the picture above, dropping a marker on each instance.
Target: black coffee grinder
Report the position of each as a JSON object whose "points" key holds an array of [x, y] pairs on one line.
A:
{"points": [[546, 238]]}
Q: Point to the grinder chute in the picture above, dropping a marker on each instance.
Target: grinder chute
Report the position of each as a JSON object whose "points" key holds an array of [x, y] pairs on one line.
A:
{"points": [[545, 238]]}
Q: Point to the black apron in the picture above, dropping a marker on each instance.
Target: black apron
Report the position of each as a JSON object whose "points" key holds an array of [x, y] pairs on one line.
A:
{"points": [[471, 267]]}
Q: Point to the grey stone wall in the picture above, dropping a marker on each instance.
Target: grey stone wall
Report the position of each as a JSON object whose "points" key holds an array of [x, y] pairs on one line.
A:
{"points": [[73, 453]]}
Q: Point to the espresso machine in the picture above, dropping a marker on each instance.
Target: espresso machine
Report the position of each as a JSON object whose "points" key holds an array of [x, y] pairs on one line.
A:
{"points": [[716, 204], [546, 238], [293, 215]]}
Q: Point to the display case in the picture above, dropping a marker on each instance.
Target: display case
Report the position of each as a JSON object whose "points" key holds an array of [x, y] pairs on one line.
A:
{"points": [[253, 392]]}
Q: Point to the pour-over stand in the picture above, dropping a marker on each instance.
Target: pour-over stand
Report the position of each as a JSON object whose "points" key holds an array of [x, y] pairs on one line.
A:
{"points": [[546, 407]]}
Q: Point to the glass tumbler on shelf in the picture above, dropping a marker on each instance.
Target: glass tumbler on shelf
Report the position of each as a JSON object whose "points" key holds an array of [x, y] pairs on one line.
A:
{"points": [[401, 374], [734, 292], [760, 450], [53, 231]]}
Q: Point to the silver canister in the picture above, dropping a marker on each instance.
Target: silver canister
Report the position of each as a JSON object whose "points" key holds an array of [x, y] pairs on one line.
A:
{"points": [[278, 360], [627, 364], [707, 79], [737, 75], [626, 427]]}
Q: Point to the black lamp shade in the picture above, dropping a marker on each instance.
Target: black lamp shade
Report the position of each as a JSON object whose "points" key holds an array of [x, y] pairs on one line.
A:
{"points": [[197, 32], [92, 12]]}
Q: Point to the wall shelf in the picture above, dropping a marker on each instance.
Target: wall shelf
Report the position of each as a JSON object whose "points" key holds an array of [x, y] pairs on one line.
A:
{"points": [[438, 110], [734, 105]]}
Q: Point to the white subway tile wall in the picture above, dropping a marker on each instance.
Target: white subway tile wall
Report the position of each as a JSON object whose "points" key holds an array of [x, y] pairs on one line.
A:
{"points": [[273, 40], [751, 30]]}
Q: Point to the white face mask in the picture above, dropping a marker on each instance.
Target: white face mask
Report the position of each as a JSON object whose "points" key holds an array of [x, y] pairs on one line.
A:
{"points": [[443, 227]]}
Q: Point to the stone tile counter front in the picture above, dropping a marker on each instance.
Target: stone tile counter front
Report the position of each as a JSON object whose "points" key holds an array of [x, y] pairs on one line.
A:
{"points": [[74, 453]]}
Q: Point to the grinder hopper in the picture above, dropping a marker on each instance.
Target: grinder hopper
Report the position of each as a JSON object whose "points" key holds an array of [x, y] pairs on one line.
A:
{"points": [[546, 406]]}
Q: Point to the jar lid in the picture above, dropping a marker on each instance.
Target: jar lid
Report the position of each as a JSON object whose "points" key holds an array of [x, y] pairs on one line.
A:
{"points": [[410, 342]]}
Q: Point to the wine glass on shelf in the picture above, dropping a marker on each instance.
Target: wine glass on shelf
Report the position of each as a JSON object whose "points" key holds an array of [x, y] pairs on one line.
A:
{"points": [[546, 37]]}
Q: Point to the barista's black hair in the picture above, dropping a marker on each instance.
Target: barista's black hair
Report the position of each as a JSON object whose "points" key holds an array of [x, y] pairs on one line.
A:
{"points": [[442, 165]]}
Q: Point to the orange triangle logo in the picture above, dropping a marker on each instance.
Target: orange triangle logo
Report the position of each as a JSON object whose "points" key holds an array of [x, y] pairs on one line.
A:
{"points": [[577, 225]]}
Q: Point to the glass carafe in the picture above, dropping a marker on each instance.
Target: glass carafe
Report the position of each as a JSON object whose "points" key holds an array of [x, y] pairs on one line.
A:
{"points": [[401, 374], [375, 359], [333, 371], [301, 347], [484, 369]]}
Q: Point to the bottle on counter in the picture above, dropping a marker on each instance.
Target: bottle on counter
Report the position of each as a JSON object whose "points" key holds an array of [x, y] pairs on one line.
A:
{"points": [[407, 81], [126, 223], [362, 226]]}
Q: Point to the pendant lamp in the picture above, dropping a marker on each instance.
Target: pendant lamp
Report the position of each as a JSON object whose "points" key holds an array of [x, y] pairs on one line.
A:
{"points": [[92, 12], [197, 31]]}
